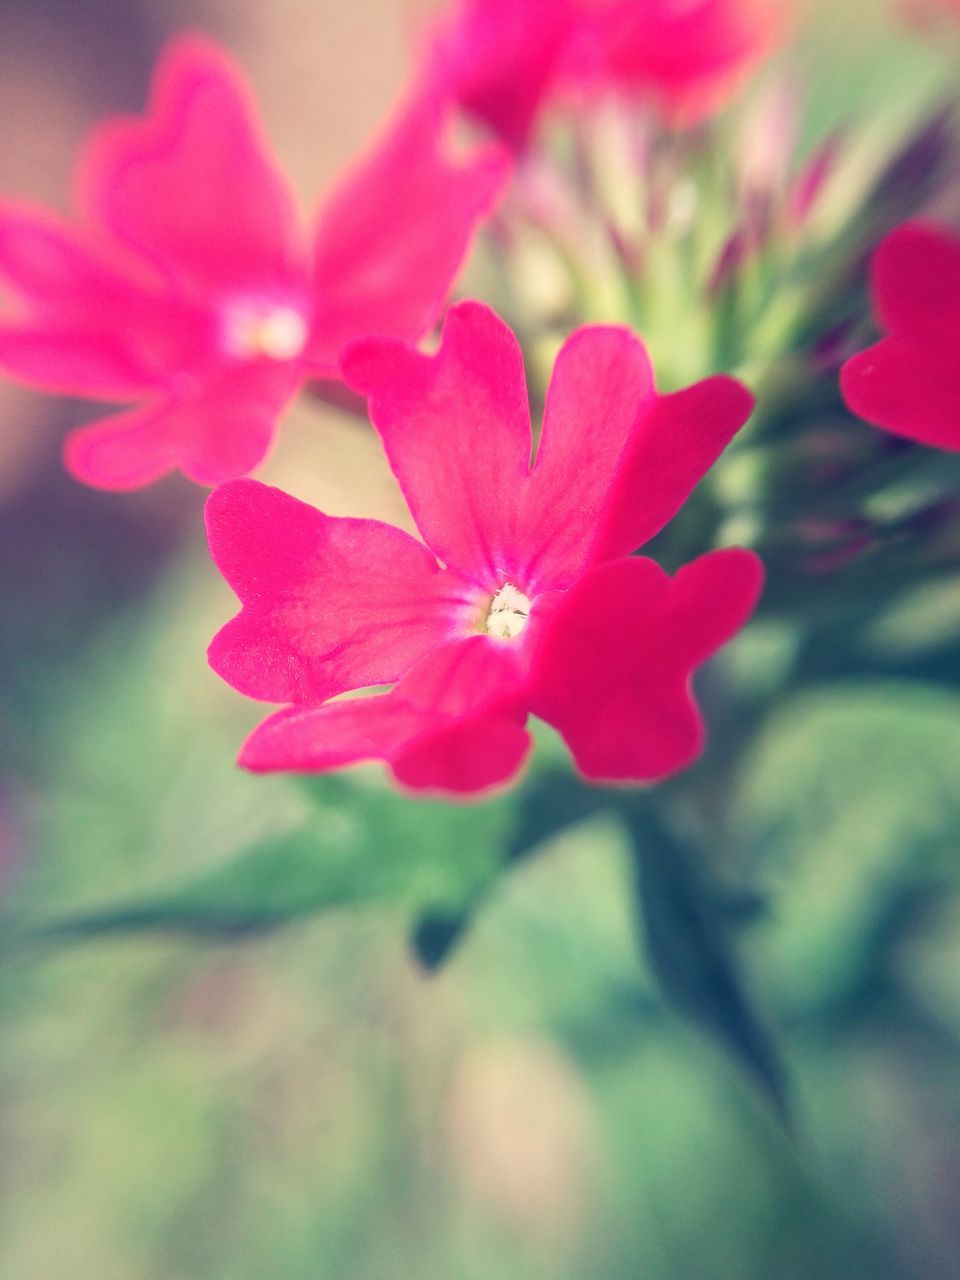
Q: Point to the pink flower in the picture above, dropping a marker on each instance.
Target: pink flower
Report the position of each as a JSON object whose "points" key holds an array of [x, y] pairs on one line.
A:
{"points": [[687, 56], [907, 382], [506, 61], [188, 287], [522, 596]]}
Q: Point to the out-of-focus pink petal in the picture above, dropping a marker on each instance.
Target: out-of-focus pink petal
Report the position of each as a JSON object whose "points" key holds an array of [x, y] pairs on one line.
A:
{"points": [[601, 388], [193, 187], [505, 60], [83, 321], [329, 604], [450, 725], [70, 362], [456, 429], [391, 240], [220, 429], [909, 387], [613, 672], [499, 59], [689, 58], [52, 265], [916, 284], [227, 428], [125, 451]]}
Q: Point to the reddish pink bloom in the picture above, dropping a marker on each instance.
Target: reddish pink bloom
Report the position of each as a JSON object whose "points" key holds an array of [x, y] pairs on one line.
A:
{"points": [[522, 596], [907, 382], [688, 56], [505, 61], [188, 287]]}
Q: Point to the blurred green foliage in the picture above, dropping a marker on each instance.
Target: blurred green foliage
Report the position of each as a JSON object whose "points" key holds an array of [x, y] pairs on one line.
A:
{"points": [[228, 1102]]}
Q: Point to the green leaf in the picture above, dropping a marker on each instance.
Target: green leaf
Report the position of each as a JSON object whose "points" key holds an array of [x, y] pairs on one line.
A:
{"points": [[367, 844], [687, 933], [848, 805], [548, 803]]}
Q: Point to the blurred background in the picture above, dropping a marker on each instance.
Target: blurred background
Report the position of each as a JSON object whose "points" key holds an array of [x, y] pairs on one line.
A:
{"points": [[308, 1101]]}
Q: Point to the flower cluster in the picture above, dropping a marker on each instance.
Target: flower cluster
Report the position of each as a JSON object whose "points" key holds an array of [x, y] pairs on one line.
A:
{"points": [[186, 289]]}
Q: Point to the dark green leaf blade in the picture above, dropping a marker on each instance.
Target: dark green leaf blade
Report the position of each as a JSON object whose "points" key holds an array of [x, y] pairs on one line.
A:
{"points": [[366, 845], [687, 937], [549, 803]]}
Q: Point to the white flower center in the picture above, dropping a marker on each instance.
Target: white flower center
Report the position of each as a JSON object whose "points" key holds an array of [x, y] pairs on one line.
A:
{"points": [[277, 332], [508, 613]]}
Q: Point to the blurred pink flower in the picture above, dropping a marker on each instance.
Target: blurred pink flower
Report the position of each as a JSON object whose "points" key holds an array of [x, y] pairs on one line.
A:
{"points": [[688, 56], [523, 600], [189, 287], [505, 61], [907, 382], [501, 60]]}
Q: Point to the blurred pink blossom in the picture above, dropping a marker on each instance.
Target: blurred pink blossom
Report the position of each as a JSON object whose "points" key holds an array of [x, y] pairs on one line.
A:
{"points": [[188, 286], [506, 61], [907, 382]]}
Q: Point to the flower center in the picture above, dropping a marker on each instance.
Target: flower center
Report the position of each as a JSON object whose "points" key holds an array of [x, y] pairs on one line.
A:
{"points": [[508, 613], [277, 332]]}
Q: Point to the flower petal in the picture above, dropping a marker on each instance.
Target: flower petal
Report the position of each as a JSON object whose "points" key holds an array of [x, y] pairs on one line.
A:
{"points": [[193, 186], [456, 429], [616, 460], [391, 240], [498, 59], [670, 452], [330, 604], [613, 673], [450, 725], [916, 284], [125, 451], [462, 757], [220, 431], [51, 264], [470, 675], [505, 60], [688, 57], [907, 387], [73, 362], [601, 389], [84, 321], [315, 738]]}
